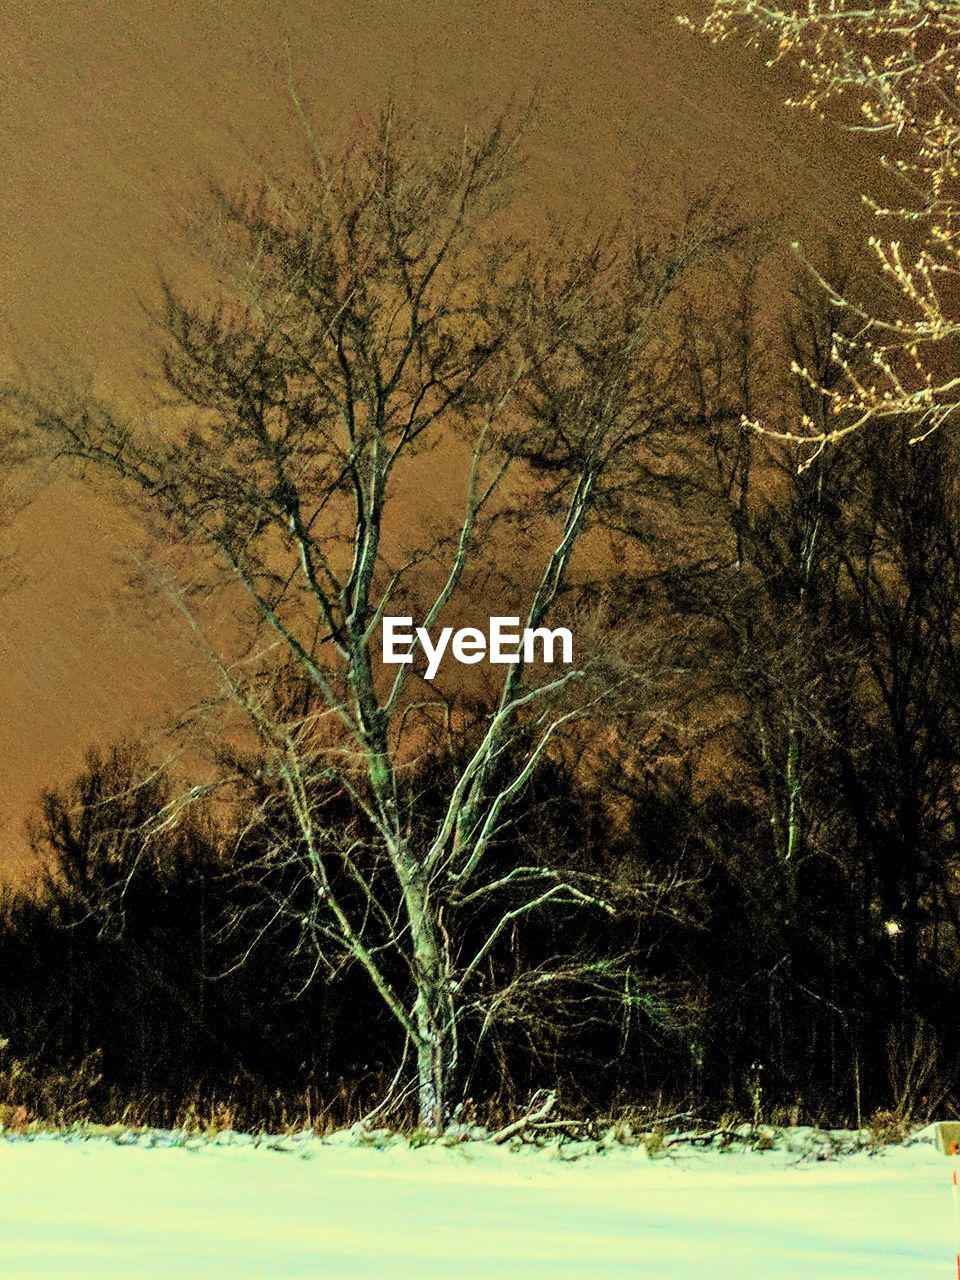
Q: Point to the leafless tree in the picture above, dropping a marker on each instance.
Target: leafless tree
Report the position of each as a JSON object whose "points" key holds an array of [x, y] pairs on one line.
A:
{"points": [[371, 328]]}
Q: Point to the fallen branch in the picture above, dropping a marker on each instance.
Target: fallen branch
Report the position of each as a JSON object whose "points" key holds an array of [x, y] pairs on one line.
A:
{"points": [[705, 1139], [533, 1117]]}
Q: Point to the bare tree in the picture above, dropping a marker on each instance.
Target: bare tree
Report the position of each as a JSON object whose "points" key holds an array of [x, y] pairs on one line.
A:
{"points": [[891, 69], [372, 328]]}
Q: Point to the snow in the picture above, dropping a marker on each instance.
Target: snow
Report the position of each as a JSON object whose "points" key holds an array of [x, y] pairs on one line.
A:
{"points": [[96, 1208]]}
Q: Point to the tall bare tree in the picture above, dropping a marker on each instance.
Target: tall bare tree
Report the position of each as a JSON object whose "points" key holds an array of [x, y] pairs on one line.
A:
{"points": [[373, 328]]}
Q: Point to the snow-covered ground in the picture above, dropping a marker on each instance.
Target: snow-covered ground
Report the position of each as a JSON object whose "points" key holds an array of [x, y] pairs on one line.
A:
{"points": [[94, 1208]]}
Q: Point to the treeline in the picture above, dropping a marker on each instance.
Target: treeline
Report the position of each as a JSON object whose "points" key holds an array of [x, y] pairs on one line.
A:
{"points": [[794, 802], [710, 867]]}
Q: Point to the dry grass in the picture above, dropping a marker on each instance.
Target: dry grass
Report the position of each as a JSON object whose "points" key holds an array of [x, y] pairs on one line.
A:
{"points": [[33, 1099]]}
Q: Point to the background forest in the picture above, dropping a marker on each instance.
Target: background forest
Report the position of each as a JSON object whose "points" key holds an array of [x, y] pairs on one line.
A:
{"points": [[711, 869]]}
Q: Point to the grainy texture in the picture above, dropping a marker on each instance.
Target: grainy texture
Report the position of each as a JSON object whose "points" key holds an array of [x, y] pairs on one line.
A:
{"points": [[113, 113]]}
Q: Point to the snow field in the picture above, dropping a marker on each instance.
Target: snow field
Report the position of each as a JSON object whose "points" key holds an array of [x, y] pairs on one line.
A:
{"points": [[93, 1208]]}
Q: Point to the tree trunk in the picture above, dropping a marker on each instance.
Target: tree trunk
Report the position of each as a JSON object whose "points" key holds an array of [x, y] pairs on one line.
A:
{"points": [[434, 1010], [433, 1072]]}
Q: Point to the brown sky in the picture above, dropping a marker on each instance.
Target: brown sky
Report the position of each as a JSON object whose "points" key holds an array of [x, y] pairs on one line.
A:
{"points": [[113, 112]]}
